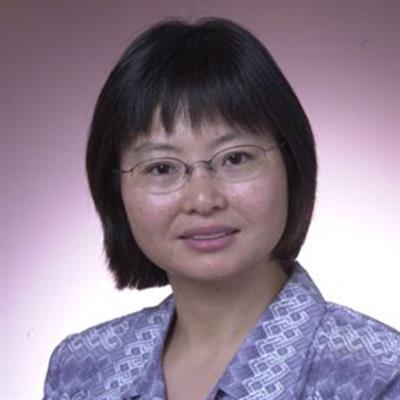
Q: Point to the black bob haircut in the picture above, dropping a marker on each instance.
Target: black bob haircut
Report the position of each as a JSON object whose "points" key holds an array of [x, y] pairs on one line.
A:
{"points": [[215, 70]]}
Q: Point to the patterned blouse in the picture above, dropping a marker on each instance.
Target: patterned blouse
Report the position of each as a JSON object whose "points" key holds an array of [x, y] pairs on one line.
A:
{"points": [[302, 347]]}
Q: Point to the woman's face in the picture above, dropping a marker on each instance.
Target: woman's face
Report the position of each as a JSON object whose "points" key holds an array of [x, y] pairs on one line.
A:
{"points": [[207, 230]]}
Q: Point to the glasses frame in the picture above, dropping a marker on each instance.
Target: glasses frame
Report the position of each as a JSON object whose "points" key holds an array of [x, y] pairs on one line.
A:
{"points": [[189, 167]]}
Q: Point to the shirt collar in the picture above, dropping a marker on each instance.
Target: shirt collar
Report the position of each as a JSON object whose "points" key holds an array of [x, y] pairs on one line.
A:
{"points": [[270, 360], [150, 383]]}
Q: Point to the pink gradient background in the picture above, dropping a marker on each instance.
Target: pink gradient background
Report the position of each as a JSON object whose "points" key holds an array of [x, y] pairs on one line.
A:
{"points": [[342, 58]]}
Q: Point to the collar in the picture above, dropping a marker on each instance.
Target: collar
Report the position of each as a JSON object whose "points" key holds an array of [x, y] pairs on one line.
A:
{"points": [[150, 383], [271, 359]]}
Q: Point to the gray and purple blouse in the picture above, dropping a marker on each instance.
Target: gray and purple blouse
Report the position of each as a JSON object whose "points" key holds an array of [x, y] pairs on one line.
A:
{"points": [[302, 347]]}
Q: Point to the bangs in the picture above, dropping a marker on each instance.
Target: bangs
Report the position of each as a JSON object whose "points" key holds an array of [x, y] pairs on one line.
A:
{"points": [[201, 75]]}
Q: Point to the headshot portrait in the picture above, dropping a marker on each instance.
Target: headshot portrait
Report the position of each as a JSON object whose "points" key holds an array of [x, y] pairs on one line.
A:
{"points": [[202, 201]]}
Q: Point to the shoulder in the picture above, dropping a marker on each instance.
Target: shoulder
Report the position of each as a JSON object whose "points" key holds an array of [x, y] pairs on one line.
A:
{"points": [[354, 353], [115, 351], [346, 330], [139, 327]]}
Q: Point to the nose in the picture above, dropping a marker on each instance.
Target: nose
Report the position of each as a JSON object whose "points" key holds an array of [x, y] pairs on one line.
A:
{"points": [[202, 193]]}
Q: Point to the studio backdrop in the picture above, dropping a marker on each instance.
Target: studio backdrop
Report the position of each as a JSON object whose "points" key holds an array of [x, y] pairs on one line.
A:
{"points": [[342, 59]]}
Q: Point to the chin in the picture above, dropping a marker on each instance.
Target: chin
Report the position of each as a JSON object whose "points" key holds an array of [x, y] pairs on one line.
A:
{"points": [[208, 272]]}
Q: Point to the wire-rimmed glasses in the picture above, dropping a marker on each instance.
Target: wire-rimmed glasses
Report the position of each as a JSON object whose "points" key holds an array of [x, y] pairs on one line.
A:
{"points": [[167, 174]]}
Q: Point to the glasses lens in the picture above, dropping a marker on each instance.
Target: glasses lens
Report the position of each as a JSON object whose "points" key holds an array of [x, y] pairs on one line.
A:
{"points": [[160, 175], [163, 175], [239, 163]]}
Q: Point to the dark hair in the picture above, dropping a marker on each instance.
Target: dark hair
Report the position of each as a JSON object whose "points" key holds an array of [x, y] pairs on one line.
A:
{"points": [[213, 69]]}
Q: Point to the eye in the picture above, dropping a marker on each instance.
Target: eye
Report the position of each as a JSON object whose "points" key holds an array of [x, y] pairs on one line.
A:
{"points": [[236, 158], [160, 168]]}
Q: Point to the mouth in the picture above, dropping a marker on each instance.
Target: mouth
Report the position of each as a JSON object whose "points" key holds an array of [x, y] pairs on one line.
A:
{"points": [[208, 233], [209, 239]]}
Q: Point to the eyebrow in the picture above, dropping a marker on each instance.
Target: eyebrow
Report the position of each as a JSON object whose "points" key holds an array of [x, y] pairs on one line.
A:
{"points": [[163, 146], [226, 138], [150, 145]]}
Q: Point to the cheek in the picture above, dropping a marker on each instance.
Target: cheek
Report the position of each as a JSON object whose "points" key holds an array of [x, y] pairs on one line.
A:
{"points": [[264, 203], [148, 216], [150, 219]]}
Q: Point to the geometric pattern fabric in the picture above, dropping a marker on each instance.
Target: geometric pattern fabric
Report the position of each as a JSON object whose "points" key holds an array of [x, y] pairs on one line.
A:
{"points": [[302, 347]]}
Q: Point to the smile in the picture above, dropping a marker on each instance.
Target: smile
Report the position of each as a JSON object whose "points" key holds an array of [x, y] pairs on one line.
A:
{"points": [[209, 238]]}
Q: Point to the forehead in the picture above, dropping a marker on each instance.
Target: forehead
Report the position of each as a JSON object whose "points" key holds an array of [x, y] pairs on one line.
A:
{"points": [[209, 133], [182, 127]]}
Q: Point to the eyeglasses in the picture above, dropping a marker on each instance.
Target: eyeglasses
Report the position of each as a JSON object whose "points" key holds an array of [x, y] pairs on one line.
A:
{"points": [[168, 174]]}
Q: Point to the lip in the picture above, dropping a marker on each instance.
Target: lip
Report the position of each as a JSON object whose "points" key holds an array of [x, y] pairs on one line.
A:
{"points": [[208, 231], [209, 238]]}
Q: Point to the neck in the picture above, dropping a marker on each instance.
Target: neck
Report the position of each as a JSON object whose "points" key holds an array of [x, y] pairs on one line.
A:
{"points": [[209, 315]]}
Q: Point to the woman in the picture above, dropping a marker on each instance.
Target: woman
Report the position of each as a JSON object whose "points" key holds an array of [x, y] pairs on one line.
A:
{"points": [[202, 167]]}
